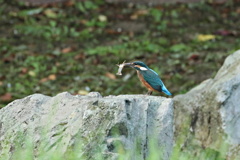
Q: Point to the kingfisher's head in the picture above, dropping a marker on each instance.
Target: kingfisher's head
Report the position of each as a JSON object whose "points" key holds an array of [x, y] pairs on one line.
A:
{"points": [[138, 65]]}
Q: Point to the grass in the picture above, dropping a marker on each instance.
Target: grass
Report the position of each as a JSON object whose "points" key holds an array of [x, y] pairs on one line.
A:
{"points": [[25, 148]]}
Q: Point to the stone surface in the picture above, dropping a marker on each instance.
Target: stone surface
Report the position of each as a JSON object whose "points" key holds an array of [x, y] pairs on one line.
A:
{"points": [[211, 111], [91, 123]]}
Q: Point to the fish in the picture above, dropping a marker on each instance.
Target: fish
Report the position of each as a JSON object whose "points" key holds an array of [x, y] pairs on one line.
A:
{"points": [[120, 68]]}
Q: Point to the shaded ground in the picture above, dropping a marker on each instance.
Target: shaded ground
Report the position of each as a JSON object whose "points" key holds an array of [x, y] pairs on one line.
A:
{"points": [[75, 46]]}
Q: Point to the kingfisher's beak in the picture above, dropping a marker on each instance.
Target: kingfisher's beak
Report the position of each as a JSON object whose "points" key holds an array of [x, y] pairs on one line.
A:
{"points": [[129, 64]]}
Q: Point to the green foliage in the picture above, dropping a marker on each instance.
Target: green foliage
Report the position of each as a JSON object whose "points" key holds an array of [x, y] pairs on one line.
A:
{"points": [[24, 148], [86, 6], [29, 12], [179, 48], [81, 43], [157, 14], [50, 32]]}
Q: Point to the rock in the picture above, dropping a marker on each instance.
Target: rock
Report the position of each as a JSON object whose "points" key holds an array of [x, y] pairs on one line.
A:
{"points": [[88, 127], [211, 111]]}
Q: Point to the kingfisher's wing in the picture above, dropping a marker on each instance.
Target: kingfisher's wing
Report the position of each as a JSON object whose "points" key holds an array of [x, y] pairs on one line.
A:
{"points": [[153, 79]]}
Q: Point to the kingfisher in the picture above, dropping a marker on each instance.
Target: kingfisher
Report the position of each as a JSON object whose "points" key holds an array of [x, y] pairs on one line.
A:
{"points": [[149, 78]]}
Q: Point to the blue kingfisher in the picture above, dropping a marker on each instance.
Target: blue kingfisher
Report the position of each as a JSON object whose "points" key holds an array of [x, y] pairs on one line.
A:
{"points": [[149, 78]]}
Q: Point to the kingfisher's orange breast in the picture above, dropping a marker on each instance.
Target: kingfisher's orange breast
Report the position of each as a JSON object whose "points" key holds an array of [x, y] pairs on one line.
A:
{"points": [[145, 83]]}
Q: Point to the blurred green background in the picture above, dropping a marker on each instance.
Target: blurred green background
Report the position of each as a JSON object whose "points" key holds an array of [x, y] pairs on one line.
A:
{"points": [[75, 46]]}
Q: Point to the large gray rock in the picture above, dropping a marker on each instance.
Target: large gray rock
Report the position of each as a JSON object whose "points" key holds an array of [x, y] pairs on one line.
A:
{"points": [[87, 127], [211, 111]]}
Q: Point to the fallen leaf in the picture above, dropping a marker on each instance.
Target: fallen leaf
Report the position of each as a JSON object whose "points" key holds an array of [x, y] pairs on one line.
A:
{"points": [[194, 57], [66, 50], [50, 13], [226, 33], [24, 70], [205, 37], [134, 17], [31, 73], [69, 3], [43, 80], [83, 92], [110, 75], [131, 34], [238, 10], [79, 56], [112, 31], [1, 83], [102, 18], [52, 77], [6, 97], [83, 21], [138, 13], [57, 64], [142, 12]]}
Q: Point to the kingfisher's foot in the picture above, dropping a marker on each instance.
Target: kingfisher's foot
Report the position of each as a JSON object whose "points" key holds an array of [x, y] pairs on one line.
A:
{"points": [[149, 93]]}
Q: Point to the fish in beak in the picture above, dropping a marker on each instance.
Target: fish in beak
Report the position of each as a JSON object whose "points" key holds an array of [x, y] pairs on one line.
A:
{"points": [[120, 67]]}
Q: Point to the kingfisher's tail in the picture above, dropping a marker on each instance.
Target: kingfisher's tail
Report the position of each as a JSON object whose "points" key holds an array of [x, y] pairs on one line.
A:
{"points": [[164, 90]]}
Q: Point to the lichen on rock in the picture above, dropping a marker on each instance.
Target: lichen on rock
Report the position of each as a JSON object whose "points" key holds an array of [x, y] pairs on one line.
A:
{"points": [[210, 112], [88, 126]]}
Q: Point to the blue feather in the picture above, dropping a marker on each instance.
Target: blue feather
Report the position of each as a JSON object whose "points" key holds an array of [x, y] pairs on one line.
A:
{"points": [[153, 71], [152, 78], [164, 90]]}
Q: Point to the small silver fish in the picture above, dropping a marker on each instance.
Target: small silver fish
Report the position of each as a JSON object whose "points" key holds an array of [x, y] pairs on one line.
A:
{"points": [[120, 67]]}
